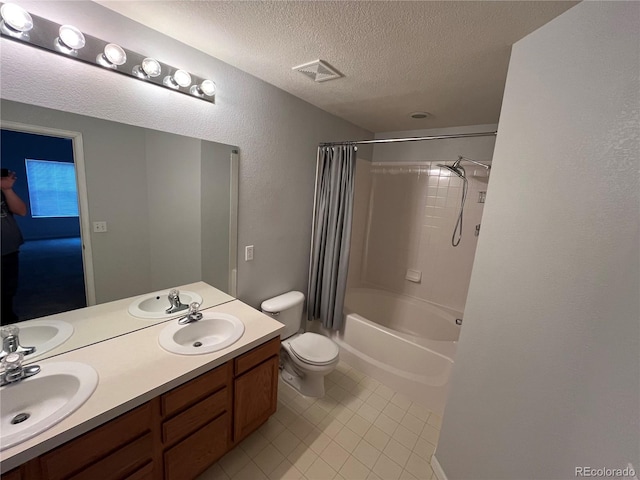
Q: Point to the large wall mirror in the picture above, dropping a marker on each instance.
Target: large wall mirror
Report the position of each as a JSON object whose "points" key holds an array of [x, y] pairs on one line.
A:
{"points": [[153, 211]]}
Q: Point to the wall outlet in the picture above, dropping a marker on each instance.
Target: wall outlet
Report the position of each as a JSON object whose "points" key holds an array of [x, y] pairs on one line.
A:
{"points": [[99, 227], [248, 253]]}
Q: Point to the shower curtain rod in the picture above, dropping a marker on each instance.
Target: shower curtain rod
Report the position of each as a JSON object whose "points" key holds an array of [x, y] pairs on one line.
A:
{"points": [[408, 139]]}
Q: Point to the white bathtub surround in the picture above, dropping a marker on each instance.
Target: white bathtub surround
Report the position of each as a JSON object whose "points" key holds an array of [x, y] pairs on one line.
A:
{"points": [[413, 210], [547, 376], [361, 429], [431, 325], [405, 209], [406, 343], [402, 328], [359, 221]]}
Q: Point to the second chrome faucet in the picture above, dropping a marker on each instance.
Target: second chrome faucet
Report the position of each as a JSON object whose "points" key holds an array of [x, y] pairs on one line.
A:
{"points": [[11, 342], [175, 304]]}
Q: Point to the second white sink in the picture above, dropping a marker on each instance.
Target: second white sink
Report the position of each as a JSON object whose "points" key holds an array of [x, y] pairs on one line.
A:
{"points": [[213, 332], [45, 335], [154, 305], [35, 404]]}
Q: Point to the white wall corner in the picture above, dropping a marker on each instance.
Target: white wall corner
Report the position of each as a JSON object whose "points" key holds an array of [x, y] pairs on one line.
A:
{"points": [[437, 469]]}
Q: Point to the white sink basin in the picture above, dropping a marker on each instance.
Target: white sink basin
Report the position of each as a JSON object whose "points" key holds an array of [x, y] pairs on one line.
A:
{"points": [[45, 335], [213, 332], [48, 397], [154, 305]]}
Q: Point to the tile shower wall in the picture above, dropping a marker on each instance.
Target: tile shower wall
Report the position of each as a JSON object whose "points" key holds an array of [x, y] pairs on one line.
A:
{"points": [[405, 210], [359, 221]]}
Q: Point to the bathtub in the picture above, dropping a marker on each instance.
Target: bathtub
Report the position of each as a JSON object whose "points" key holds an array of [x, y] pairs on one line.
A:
{"points": [[405, 343]]}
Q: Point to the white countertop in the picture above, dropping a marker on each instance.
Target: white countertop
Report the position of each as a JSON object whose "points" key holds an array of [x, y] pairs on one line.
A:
{"points": [[133, 369], [107, 320]]}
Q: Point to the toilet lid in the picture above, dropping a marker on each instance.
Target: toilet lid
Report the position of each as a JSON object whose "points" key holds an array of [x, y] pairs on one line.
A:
{"points": [[314, 349]]}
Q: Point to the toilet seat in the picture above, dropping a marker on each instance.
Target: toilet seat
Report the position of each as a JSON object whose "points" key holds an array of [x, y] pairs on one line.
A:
{"points": [[314, 349]]}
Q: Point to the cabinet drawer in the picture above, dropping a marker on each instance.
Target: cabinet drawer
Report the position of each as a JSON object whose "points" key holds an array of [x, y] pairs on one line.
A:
{"points": [[96, 444], [256, 356], [198, 388], [192, 456], [144, 473], [121, 463], [195, 417]]}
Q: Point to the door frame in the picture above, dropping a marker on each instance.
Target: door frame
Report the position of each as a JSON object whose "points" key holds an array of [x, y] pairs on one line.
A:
{"points": [[83, 202]]}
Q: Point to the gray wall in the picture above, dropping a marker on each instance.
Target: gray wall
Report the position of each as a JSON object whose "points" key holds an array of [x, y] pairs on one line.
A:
{"points": [[547, 372], [277, 133], [216, 202], [173, 185]]}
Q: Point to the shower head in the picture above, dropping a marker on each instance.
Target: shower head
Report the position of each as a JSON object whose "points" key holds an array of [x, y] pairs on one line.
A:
{"points": [[459, 171]]}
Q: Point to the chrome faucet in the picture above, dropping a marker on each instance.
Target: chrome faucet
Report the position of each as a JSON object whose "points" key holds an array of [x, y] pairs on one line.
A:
{"points": [[12, 371], [193, 316], [176, 304], [11, 342]]}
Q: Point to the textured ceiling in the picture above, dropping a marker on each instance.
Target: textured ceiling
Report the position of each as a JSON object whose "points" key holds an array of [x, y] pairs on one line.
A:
{"points": [[448, 58]]}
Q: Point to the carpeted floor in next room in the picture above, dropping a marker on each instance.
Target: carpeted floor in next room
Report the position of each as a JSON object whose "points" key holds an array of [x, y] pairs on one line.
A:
{"points": [[51, 278]]}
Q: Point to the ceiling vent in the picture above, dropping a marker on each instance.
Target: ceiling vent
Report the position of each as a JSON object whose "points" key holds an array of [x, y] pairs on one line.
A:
{"points": [[318, 71]]}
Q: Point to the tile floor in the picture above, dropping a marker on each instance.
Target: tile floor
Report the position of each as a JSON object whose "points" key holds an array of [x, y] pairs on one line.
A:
{"points": [[361, 429]]}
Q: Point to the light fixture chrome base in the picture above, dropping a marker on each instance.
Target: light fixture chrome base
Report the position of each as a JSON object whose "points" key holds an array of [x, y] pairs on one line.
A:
{"points": [[45, 35]]}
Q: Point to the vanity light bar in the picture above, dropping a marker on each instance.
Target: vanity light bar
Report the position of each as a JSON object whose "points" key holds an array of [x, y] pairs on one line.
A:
{"points": [[69, 41]]}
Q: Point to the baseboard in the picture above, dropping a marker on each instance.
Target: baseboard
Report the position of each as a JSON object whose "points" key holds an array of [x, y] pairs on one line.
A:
{"points": [[437, 469]]}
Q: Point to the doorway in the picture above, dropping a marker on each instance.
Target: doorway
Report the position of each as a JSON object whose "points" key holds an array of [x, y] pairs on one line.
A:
{"points": [[55, 264]]}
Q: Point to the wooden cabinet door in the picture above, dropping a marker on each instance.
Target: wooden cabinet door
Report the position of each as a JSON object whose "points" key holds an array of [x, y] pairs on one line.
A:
{"points": [[12, 475], [256, 397]]}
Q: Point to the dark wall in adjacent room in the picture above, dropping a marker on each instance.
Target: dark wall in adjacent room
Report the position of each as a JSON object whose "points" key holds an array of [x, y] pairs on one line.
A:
{"points": [[15, 147]]}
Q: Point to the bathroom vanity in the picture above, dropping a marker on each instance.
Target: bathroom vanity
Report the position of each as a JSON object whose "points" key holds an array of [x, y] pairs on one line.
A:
{"points": [[158, 415]]}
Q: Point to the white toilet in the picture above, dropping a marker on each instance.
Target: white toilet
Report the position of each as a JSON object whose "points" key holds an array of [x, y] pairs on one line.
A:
{"points": [[305, 358]]}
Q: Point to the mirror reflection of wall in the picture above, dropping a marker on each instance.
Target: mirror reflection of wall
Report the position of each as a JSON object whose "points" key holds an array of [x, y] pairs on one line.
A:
{"points": [[168, 202]]}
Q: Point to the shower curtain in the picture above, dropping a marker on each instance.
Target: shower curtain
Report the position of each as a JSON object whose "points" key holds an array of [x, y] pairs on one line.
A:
{"points": [[331, 234]]}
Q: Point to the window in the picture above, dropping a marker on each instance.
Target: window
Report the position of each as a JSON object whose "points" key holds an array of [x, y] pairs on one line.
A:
{"points": [[52, 188]]}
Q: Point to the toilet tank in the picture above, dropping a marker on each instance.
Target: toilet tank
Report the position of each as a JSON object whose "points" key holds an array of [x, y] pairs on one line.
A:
{"points": [[287, 309]]}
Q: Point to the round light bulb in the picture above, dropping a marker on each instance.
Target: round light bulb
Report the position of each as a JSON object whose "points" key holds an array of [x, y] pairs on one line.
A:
{"points": [[151, 67], [208, 88], [182, 78], [16, 17], [71, 37], [115, 54]]}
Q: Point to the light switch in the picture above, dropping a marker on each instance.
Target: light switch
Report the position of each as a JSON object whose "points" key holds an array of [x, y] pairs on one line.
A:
{"points": [[248, 253]]}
